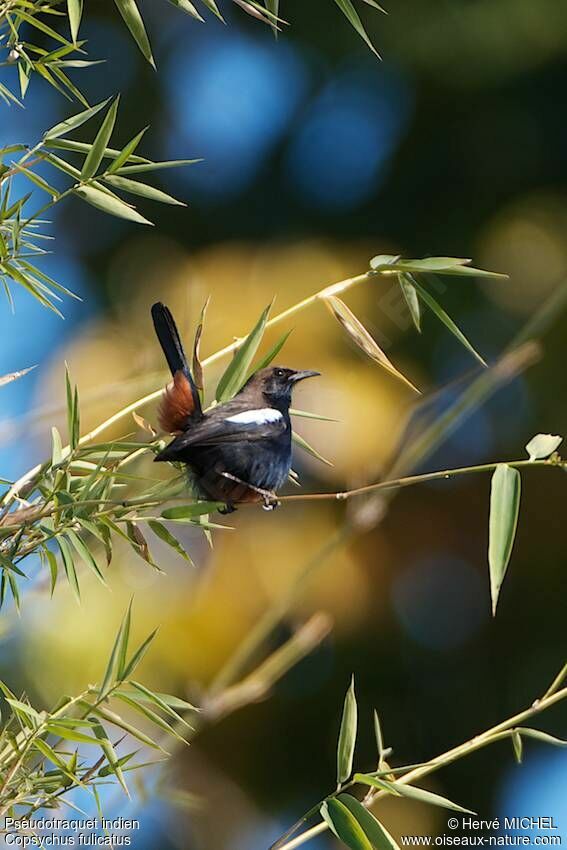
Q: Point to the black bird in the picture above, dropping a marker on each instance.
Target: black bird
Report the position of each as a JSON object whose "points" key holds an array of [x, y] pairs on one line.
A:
{"points": [[239, 451]]}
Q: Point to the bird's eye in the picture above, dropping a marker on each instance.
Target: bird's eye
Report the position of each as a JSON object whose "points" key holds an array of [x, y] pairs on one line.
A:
{"points": [[280, 373]]}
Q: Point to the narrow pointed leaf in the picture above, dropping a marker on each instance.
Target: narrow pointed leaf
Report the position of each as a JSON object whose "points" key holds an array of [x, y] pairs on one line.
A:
{"points": [[126, 152], [272, 353], [436, 308], [74, 121], [347, 735], [96, 153], [411, 792], [235, 375], [378, 835], [411, 299], [198, 375], [353, 17], [75, 11], [344, 825], [303, 444], [504, 511], [109, 203], [142, 190], [133, 20], [362, 338]]}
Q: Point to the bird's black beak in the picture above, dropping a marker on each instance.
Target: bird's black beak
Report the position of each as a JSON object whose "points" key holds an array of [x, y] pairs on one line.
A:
{"points": [[300, 376]]}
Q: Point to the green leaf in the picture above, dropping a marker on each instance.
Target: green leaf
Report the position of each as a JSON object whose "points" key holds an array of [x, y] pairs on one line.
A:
{"points": [[69, 566], [138, 655], [307, 414], [85, 553], [445, 318], [235, 375], [75, 11], [504, 511], [543, 445], [545, 737], [57, 447], [347, 735], [303, 444], [117, 661], [344, 825], [142, 189], [74, 121], [411, 299], [114, 763], [378, 835], [53, 571], [410, 791], [188, 512], [272, 353], [362, 338], [157, 700], [187, 7], [109, 203], [353, 17], [517, 745], [198, 375], [102, 138], [70, 734], [126, 152], [379, 740], [135, 24], [164, 534], [150, 715], [156, 166]]}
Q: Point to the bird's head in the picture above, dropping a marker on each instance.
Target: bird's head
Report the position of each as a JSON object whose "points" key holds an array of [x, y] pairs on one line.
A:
{"points": [[276, 383]]}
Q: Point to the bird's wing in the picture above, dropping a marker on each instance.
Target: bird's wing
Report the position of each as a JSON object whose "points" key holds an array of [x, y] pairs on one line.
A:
{"points": [[230, 423]]}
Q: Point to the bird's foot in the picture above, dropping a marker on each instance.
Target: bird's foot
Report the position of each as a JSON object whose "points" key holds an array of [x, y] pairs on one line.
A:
{"points": [[268, 497], [228, 509], [270, 501]]}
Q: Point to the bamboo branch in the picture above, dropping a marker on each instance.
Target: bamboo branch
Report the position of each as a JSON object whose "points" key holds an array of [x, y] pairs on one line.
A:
{"points": [[503, 729]]}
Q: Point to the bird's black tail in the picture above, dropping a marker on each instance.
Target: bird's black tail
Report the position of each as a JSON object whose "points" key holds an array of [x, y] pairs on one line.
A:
{"points": [[170, 341]]}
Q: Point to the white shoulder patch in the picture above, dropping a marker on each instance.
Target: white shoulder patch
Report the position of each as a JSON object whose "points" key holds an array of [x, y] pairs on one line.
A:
{"points": [[255, 417]]}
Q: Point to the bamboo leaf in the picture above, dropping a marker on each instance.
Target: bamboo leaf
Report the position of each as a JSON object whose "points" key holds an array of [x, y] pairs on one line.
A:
{"points": [[504, 511], [378, 835], [411, 299], [142, 190], [74, 121], [164, 534], [411, 792], [347, 735], [272, 353], [117, 661], [138, 655], [109, 203], [126, 152], [189, 512], [362, 338], [75, 11], [133, 20], [188, 7], [438, 311], [303, 444], [69, 566], [102, 138], [198, 375], [353, 18], [235, 375], [344, 825]]}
